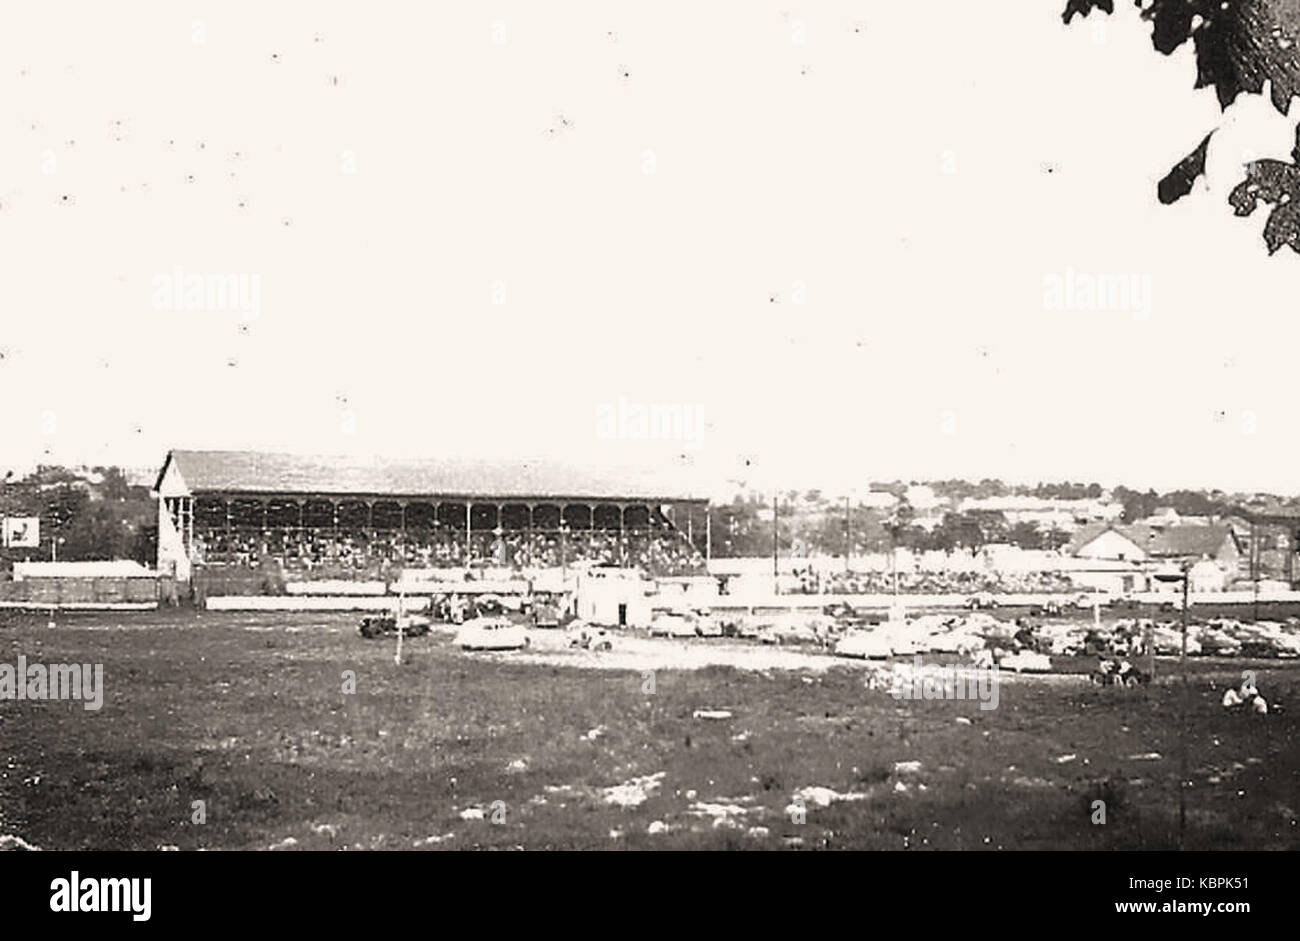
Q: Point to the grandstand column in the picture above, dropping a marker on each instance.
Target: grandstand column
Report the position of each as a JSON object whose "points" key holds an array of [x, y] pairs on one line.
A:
{"points": [[500, 533], [564, 532], [435, 531], [469, 546], [530, 539]]}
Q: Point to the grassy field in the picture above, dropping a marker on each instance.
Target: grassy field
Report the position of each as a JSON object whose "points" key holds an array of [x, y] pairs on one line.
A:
{"points": [[247, 713]]}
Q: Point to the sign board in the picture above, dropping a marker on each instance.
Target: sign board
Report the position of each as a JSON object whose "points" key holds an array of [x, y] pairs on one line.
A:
{"points": [[22, 532]]}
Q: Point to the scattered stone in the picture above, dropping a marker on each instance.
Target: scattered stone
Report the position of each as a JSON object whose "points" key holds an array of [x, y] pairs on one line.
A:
{"points": [[712, 714], [635, 792], [433, 840], [821, 797], [1024, 781], [722, 814]]}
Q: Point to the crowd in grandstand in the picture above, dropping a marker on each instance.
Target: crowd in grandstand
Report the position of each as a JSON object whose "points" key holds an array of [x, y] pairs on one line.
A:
{"points": [[329, 554], [811, 582]]}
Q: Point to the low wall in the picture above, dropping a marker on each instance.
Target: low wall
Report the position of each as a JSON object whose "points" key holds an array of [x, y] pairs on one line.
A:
{"points": [[304, 603], [1215, 597], [337, 587], [105, 593], [883, 602], [758, 599], [361, 596]]}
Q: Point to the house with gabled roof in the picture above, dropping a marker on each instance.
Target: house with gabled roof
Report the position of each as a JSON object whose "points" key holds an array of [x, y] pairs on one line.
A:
{"points": [[1159, 547]]}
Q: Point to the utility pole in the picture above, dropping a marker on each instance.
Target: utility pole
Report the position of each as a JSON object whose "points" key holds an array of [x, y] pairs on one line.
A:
{"points": [[1184, 573], [776, 572], [401, 614], [848, 539], [1290, 558], [1254, 567], [1182, 663]]}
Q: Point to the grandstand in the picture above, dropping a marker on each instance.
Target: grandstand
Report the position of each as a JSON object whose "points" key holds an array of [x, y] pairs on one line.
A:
{"points": [[331, 517]]}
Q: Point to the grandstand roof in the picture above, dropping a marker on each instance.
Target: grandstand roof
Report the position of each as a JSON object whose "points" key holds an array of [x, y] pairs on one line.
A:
{"points": [[261, 472]]}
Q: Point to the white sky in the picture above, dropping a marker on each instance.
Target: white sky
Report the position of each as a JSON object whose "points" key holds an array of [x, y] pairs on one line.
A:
{"points": [[924, 348]]}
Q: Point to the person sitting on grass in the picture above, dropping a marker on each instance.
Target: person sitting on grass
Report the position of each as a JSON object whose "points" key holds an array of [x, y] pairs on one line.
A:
{"points": [[1105, 669], [1247, 697]]}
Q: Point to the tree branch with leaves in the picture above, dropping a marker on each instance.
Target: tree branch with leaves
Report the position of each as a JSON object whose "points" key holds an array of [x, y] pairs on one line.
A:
{"points": [[1242, 47]]}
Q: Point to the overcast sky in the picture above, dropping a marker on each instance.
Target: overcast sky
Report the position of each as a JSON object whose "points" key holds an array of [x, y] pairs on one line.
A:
{"points": [[856, 239]]}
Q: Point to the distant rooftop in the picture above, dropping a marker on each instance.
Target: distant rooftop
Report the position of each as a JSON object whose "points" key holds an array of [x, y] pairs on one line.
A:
{"points": [[1176, 541]]}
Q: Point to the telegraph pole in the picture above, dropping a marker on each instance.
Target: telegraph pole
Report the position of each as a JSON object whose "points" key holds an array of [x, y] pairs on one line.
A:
{"points": [[776, 572], [401, 614], [1182, 746], [1184, 574], [1254, 567], [848, 539]]}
